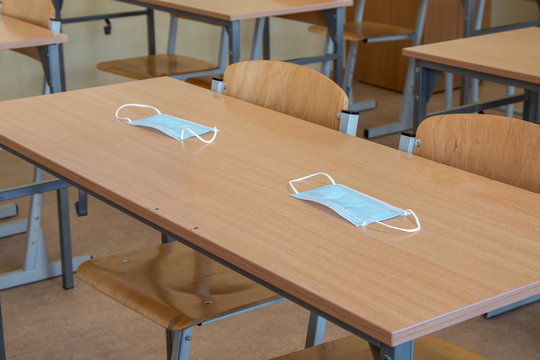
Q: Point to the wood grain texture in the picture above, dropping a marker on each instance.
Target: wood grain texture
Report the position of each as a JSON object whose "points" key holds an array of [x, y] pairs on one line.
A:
{"points": [[497, 147], [354, 348], [146, 67], [478, 249], [16, 34], [519, 60], [37, 12], [172, 285], [288, 88], [232, 10]]}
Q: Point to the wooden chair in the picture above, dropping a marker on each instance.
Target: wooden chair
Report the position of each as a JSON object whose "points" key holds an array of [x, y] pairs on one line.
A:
{"points": [[371, 32], [177, 287], [291, 89], [37, 12], [354, 348], [261, 41], [500, 148], [170, 64]]}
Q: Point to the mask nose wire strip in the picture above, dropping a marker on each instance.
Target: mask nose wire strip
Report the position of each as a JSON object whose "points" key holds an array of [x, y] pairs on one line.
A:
{"points": [[136, 105], [407, 212], [307, 177], [198, 137]]}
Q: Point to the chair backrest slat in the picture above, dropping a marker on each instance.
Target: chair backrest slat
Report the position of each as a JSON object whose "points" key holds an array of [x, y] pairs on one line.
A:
{"points": [[288, 88], [497, 147]]}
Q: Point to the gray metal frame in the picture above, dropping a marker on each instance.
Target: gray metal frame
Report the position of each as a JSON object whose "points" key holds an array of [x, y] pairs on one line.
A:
{"points": [[472, 26], [261, 38], [429, 73], [406, 113], [37, 265], [222, 56]]}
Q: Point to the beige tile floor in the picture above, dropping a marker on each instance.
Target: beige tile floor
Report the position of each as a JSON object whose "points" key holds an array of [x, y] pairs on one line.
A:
{"points": [[43, 321]]}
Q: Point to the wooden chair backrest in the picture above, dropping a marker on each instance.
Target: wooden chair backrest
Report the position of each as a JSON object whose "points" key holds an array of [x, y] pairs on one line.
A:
{"points": [[288, 88], [37, 12], [497, 147]]}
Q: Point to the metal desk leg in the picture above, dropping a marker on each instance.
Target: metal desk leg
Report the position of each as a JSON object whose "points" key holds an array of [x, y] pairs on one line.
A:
{"points": [[51, 61], [424, 85], [334, 22], [530, 107], [404, 351], [2, 344], [316, 329], [233, 29], [36, 264], [261, 38], [151, 31], [65, 237]]}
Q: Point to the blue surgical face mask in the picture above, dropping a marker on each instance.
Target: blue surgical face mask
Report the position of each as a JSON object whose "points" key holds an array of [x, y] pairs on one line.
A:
{"points": [[176, 128], [358, 208]]}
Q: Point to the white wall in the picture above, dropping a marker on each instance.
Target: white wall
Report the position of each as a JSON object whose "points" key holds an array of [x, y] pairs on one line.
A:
{"points": [[21, 76], [513, 11]]}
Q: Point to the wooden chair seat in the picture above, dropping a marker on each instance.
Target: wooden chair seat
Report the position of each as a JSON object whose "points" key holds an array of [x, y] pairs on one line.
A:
{"points": [[354, 348], [354, 31], [146, 67], [173, 285]]}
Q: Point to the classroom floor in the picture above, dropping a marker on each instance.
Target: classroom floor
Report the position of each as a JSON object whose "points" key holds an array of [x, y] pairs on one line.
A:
{"points": [[43, 321]]}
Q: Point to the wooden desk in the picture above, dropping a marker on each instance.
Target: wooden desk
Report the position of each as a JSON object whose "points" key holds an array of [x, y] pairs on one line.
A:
{"points": [[478, 250], [229, 13], [17, 34], [509, 57]]}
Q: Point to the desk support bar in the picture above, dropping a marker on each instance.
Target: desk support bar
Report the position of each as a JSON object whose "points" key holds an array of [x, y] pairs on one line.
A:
{"points": [[428, 73], [36, 264], [101, 17]]}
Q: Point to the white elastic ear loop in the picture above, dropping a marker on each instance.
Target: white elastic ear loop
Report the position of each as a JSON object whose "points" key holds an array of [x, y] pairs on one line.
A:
{"points": [[198, 137], [307, 177], [136, 105], [407, 212]]}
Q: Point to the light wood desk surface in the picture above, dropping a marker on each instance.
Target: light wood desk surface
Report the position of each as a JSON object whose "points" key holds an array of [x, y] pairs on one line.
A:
{"points": [[479, 247], [513, 54], [248, 9], [16, 34]]}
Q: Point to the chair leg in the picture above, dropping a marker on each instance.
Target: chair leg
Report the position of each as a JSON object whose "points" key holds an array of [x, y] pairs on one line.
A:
{"points": [[178, 344], [316, 328]]}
